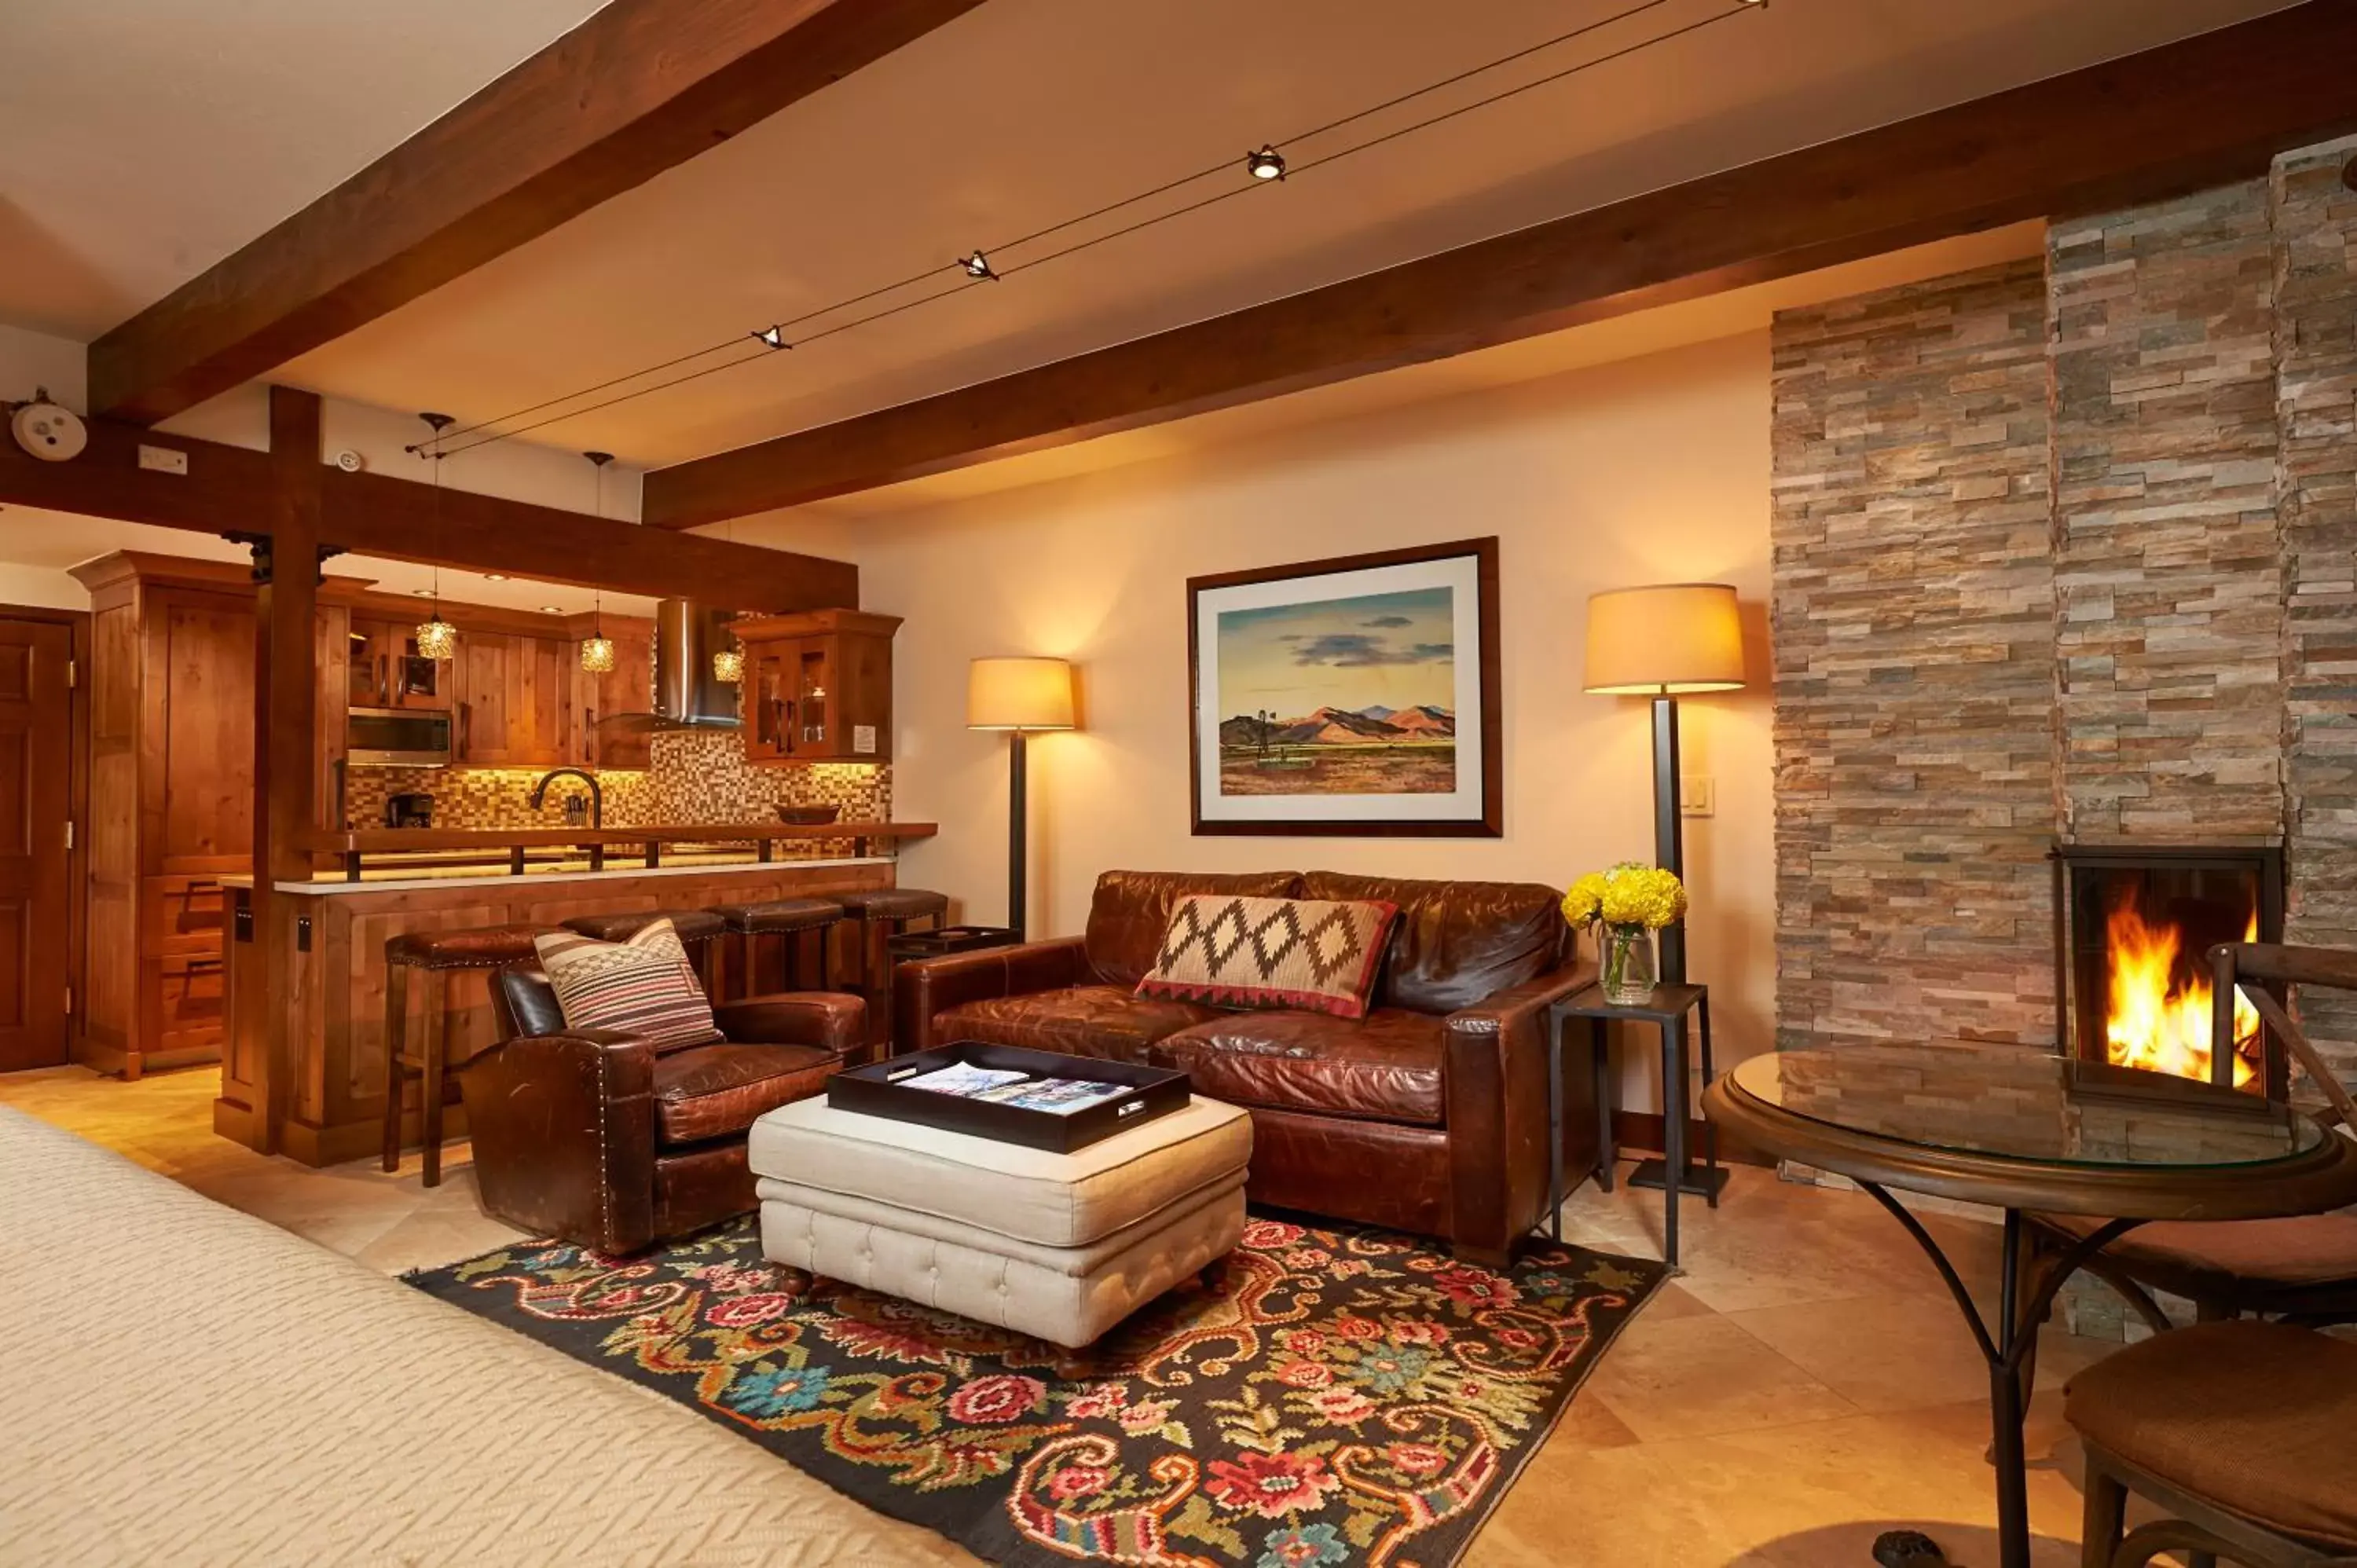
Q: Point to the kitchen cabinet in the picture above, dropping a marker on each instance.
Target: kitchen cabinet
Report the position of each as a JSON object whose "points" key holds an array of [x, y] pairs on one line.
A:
{"points": [[510, 700], [385, 668], [626, 688], [171, 802], [818, 686]]}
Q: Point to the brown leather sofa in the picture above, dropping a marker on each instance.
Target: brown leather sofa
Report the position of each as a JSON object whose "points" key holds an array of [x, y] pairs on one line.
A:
{"points": [[600, 1139], [1429, 1115]]}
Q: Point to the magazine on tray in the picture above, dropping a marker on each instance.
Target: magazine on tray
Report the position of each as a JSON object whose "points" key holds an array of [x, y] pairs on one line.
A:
{"points": [[1057, 1096], [966, 1079]]}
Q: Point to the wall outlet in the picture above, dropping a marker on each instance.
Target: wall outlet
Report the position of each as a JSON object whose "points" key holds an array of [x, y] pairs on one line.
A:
{"points": [[1697, 795], [163, 459]]}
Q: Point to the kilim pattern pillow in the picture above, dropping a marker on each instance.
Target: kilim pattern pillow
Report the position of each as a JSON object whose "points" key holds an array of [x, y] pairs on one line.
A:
{"points": [[1302, 953], [643, 985]]}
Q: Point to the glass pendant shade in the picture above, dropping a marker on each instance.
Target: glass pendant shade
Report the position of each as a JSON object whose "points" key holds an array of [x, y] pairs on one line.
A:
{"points": [[437, 639], [598, 655], [729, 665]]}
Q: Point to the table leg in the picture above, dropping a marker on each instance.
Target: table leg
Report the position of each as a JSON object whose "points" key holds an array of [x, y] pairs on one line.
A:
{"points": [[1713, 1178], [2022, 1306], [1607, 1147], [1674, 1134], [1555, 1128]]}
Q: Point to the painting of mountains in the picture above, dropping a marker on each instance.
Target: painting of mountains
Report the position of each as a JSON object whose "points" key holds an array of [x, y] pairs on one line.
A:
{"points": [[1343, 696]]}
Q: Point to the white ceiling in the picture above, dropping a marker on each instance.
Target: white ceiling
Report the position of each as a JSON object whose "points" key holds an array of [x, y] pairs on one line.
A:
{"points": [[141, 141], [147, 145]]}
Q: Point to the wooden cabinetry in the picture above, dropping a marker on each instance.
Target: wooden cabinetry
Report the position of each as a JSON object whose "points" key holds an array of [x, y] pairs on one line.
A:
{"points": [[626, 688], [171, 801], [511, 701], [818, 686], [385, 670]]}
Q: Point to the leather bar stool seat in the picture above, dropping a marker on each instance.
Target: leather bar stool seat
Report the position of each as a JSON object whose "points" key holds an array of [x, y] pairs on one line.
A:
{"points": [[880, 913], [802, 922], [697, 930], [436, 953]]}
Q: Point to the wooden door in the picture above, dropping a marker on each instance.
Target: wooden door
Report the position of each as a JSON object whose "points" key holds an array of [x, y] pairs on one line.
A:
{"points": [[35, 793], [510, 700]]}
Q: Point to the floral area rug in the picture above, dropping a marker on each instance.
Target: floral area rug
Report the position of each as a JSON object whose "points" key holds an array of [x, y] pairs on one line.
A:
{"points": [[1335, 1396]]}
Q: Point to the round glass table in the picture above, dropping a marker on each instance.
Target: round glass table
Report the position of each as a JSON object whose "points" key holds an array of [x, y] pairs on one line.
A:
{"points": [[2025, 1131]]}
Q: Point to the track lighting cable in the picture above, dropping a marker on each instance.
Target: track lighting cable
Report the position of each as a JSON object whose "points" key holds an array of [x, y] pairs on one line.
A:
{"points": [[773, 340]]}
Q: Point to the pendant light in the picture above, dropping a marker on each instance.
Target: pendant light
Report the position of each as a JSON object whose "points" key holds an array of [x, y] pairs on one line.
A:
{"points": [[437, 638], [728, 663], [598, 649]]}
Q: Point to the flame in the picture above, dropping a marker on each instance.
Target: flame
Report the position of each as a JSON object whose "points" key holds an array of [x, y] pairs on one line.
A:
{"points": [[2158, 1019]]}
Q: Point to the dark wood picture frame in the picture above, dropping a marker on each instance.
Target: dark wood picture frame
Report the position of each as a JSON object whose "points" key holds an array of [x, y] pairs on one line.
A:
{"points": [[1490, 824]]}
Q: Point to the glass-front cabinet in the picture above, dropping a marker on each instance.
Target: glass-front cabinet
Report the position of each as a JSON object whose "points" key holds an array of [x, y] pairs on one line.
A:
{"points": [[818, 686]]}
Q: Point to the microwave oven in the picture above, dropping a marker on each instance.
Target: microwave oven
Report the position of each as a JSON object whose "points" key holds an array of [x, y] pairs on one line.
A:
{"points": [[397, 737]]}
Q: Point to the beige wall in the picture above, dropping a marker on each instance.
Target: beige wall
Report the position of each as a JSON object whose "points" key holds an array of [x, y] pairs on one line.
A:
{"points": [[1652, 470]]}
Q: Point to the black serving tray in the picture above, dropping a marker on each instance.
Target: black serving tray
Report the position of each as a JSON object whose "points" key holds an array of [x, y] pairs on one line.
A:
{"points": [[878, 1089]]}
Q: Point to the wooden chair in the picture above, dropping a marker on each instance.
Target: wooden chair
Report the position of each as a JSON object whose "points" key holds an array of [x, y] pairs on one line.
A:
{"points": [[2238, 1431], [2302, 1269]]}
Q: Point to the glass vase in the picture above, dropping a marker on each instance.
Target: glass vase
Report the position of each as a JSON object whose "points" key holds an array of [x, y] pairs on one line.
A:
{"points": [[1629, 966]]}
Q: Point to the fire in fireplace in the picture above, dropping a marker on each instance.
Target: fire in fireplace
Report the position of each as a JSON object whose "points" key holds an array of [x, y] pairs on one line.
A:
{"points": [[2133, 932]]}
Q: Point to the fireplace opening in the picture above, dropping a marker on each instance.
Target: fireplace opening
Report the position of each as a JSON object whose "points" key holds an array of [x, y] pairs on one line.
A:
{"points": [[2134, 928]]}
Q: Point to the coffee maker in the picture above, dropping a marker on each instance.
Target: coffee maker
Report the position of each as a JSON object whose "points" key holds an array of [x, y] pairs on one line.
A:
{"points": [[410, 810]]}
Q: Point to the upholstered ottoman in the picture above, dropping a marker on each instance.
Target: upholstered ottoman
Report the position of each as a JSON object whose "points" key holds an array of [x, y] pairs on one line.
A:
{"points": [[1061, 1247]]}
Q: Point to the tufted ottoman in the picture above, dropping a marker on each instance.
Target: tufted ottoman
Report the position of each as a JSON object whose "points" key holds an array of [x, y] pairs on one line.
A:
{"points": [[1061, 1247]]}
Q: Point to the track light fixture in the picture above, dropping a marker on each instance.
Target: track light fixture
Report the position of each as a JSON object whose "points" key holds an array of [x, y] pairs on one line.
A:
{"points": [[1266, 164]]}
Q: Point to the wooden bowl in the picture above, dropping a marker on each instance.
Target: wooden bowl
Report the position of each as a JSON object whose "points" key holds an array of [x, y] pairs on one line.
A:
{"points": [[808, 816]]}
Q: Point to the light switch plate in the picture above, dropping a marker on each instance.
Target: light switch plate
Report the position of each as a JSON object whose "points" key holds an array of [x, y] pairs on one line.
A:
{"points": [[1697, 797], [163, 459]]}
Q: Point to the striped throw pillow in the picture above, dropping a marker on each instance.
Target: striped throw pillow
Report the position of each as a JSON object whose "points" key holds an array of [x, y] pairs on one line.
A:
{"points": [[1304, 955], [643, 985]]}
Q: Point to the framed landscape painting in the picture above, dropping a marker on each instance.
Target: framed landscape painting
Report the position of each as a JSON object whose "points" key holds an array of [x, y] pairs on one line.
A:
{"points": [[1352, 696]]}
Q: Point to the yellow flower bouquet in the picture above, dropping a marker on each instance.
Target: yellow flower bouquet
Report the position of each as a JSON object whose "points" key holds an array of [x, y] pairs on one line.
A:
{"points": [[1631, 901]]}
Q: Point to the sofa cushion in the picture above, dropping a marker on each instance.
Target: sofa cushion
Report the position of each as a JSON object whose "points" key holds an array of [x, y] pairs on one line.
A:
{"points": [[1274, 954], [641, 985], [1131, 910], [1457, 942], [715, 1092], [1103, 1021], [1385, 1067]]}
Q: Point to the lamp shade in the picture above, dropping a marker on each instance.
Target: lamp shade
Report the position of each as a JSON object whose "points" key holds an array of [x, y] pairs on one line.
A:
{"points": [[1018, 693], [1677, 637]]}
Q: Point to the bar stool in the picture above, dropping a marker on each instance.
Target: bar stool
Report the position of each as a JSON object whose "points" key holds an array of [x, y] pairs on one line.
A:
{"points": [[879, 914], [436, 953], [697, 928], [804, 922]]}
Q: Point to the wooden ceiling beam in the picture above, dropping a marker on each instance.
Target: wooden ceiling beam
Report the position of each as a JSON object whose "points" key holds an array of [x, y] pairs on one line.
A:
{"points": [[230, 489], [2193, 114], [639, 87]]}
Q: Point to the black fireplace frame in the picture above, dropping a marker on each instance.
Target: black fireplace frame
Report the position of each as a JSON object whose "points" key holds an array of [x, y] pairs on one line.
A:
{"points": [[2265, 860]]}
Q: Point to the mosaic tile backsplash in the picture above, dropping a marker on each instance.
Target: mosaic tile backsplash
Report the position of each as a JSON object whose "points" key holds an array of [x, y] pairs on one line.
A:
{"points": [[694, 780]]}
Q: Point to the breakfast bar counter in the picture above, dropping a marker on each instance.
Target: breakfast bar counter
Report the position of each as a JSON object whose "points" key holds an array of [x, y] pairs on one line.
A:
{"points": [[336, 1003]]}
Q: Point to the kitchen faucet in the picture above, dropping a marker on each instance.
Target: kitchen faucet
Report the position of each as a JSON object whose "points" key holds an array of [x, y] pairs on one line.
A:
{"points": [[596, 794]]}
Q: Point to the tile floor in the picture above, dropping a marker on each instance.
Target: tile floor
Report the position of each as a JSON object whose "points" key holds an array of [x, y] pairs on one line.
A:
{"points": [[1804, 1385]]}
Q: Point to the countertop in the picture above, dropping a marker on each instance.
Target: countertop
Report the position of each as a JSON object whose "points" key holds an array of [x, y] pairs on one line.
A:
{"points": [[398, 878], [383, 841]]}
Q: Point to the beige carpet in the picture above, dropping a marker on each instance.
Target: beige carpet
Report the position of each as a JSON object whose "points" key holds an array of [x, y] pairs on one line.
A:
{"points": [[184, 1384]]}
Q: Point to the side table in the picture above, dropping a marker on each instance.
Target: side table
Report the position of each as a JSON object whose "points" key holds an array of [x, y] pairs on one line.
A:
{"points": [[1666, 1010]]}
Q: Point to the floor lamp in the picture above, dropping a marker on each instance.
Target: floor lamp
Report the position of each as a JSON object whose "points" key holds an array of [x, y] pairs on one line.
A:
{"points": [[1018, 695], [1659, 642]]}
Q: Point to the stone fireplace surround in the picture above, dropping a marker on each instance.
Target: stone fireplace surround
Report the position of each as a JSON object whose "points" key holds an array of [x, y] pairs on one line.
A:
{"points": [[2064, 550]]}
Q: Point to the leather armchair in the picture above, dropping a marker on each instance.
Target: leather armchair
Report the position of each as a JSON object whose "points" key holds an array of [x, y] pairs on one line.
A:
{"points": [[598, 1138]]}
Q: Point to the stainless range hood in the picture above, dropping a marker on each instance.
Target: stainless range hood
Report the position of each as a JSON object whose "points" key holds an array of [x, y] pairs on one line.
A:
{"points": [[688, 696]]}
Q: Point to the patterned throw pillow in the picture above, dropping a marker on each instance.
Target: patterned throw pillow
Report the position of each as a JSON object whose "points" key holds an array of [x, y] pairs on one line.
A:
{"points": [[643, 985], [1300, 953]]}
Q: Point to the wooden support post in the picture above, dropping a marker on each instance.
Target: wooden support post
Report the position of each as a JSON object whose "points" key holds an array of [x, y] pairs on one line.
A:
{"points": [[285, 737]]}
